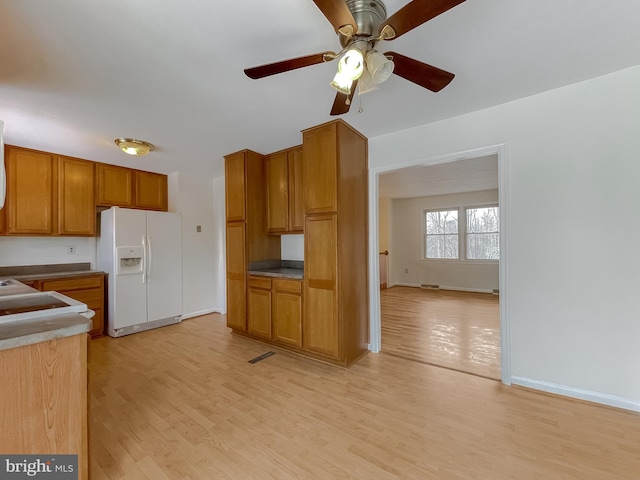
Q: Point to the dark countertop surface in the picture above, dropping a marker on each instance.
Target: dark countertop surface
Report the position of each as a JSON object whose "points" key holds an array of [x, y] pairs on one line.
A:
{"points": [[280, 272], [43, 272]]}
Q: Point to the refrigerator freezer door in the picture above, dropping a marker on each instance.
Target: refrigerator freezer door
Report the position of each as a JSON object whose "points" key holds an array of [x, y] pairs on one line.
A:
{"points": [[129, 297], [164, 268]]}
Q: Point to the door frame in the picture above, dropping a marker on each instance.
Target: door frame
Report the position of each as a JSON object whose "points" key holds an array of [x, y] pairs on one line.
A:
{"points": [[375, 327]]}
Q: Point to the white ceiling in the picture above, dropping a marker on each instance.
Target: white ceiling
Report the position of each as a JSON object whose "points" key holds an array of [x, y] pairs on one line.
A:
{"points": [[76, 74], [468, 175]]}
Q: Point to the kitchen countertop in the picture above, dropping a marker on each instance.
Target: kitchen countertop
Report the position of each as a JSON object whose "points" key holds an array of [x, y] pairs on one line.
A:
{"points": [[43, 272], [280, 272], [278, 268], [44, 276], [36, 330]]}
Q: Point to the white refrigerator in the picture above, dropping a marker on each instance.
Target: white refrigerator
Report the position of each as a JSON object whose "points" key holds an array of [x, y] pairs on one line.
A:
{"points": [[141, 251]]}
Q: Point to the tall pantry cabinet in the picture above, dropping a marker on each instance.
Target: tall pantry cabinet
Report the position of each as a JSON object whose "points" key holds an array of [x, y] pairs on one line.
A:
{"points": [[247, 239], [336, 309]]}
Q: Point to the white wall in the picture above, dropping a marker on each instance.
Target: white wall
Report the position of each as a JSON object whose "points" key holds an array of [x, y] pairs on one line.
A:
{"points": [[46, 250], [408, 243], [292, 247], [384, 223], [573, 267], [193, 198]]}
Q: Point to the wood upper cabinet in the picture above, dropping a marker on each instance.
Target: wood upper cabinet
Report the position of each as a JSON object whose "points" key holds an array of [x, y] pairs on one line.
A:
{"points": [[114, 187], [76, 207], [259, 306], [285, 206], [235, 182], [31, 192], [126, 187], [277, 177], [320, 170], [150, 191]]}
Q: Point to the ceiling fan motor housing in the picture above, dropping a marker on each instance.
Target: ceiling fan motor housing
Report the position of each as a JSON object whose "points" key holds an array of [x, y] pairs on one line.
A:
{"points": [[368, 14]]}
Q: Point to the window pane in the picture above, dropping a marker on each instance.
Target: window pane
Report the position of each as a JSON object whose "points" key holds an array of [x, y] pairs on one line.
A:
{"points": [[442, 222], [442, 246], [483, 220], [483, 239], [483, 246]]}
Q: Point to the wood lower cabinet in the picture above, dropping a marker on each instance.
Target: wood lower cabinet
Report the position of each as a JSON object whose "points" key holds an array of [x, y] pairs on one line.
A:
{"points": [[236, 276], [286, 311], [259, 306], [45, 401], [320, 325], [86, 288]]}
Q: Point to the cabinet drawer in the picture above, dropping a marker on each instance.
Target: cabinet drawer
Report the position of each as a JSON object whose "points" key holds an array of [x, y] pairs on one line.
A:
{"points": [[93, 298], [63, 284], [291, 286], [260, 282]]}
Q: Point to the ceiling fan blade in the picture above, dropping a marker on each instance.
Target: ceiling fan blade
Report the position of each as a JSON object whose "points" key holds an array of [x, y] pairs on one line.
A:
{"points": [[338, 13], [285, 65], [342, 102], [420, 73], [415, 13]]}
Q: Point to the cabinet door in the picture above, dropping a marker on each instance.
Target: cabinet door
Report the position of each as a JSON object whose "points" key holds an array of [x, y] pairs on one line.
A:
{"points": [[88, 289], [236, 276], [234, 174], [287, 312], [113, 185], [277, 183], [320, 170], [259, 312], [296, 191], [76, 207], [320, 322], [31, 192], [151, 191]]}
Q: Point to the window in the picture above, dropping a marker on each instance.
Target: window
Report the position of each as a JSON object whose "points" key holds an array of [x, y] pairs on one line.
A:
{"points": [[442, 234], [478, 236], [483, 233]]}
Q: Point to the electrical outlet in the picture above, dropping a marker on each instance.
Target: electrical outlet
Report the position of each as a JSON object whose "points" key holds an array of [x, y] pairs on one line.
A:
{"points": [[406, 270], [198, 228], [71, 249]]}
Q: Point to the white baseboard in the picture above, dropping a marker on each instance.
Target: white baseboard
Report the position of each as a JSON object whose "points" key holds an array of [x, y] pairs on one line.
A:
{"points": [[404, 284], [200, 313], [589, 396]]}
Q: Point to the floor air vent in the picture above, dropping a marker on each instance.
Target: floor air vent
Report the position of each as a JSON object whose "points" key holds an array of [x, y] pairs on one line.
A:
{"points": [[261, 357], [428, 286]]}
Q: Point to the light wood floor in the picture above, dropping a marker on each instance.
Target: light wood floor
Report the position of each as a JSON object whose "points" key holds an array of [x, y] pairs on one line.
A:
{"points": [[182, 403], [457, 330]]}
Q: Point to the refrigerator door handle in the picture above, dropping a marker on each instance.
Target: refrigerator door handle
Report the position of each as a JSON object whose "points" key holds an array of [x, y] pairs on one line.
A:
{"points": [[149, 257], [144, 259]]}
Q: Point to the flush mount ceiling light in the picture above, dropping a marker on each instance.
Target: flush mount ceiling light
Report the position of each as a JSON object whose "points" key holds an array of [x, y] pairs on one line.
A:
{"points": [[131, 146]]}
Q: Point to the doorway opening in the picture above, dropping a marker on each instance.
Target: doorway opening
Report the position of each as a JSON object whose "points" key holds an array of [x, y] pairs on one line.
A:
{"points": [[450, 312]]}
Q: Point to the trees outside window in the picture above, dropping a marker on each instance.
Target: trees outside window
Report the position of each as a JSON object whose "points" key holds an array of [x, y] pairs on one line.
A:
{"points": [[478, 236]]}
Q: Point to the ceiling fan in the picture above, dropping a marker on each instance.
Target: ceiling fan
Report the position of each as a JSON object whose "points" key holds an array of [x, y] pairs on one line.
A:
{"points": [[360, 25]]}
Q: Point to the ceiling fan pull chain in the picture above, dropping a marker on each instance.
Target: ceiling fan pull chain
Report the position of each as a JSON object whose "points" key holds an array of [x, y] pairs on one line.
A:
{"points": [[360, 109]]}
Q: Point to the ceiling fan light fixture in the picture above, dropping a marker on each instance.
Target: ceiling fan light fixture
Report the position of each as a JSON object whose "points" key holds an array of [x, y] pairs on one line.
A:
{"points": [[132, 146], [342, 83], [350, 67], [379, 66]]}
